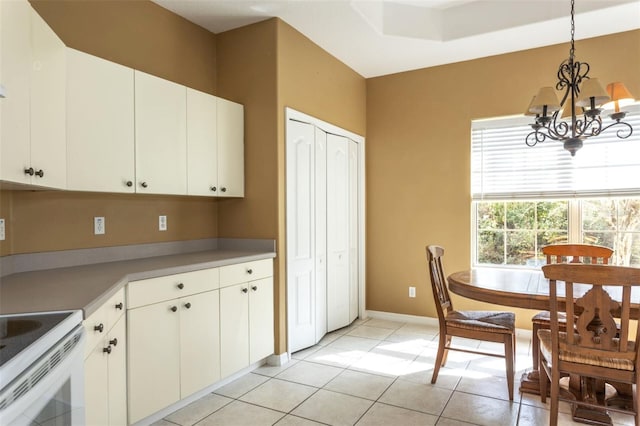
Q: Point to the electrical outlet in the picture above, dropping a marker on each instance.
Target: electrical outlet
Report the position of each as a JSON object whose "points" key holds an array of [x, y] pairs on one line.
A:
{"points": [[162, 223], [98, 226], [2, 233], [412, 292]]}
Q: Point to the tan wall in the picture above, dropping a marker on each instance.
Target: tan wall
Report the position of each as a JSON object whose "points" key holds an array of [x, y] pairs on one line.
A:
{"points": [[139, 34], [268, 66], [144, 36], [418, 156]]}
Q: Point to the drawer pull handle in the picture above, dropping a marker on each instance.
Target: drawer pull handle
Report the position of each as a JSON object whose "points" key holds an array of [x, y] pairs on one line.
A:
{"points": [[99, 328], [174, 308], [180, 286], [244, 290], [29, 171], [40, 173], [119, 306], [144, 184], [254, 288], [213, 188], [113, 342], [129, 183], [107, 349], [249, 271], [187, 305], [223, 189]]}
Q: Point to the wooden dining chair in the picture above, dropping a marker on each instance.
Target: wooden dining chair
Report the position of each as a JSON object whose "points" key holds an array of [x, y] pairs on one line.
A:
{"points": [[595, 348], [490, 326], [565, 253]]}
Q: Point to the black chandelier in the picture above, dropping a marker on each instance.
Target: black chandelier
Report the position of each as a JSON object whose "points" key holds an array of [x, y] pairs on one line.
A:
{"points": [[579, 92]]}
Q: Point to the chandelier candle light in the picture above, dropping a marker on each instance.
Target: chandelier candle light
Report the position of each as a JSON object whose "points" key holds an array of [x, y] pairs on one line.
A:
{"points": [[580, 92]]}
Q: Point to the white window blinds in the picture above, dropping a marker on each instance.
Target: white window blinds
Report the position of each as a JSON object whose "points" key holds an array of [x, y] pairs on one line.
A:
{"points": [[504, 167]]}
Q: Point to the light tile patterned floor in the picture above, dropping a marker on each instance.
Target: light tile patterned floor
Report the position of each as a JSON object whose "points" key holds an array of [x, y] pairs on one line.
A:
{"points": [[376, 372]]}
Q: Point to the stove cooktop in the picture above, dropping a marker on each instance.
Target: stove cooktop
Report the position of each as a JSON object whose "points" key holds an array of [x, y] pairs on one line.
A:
{"points": [[24, 338], [17, 332]]}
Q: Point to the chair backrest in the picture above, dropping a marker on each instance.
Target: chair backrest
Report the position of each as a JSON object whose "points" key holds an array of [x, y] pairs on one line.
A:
{"points": [[438, 281], [594, 309], [577, 253]]}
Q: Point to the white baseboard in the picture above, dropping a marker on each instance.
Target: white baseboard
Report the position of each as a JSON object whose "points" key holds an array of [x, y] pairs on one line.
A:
{"points": [[278, 360], [414, 319]]}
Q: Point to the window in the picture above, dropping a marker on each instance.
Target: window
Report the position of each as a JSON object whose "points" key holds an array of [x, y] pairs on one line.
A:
{"points": [[525, 198]]}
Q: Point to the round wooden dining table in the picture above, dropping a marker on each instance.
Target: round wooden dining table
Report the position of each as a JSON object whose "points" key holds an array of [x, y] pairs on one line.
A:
{"points": [[529, 289], [517, 288]]}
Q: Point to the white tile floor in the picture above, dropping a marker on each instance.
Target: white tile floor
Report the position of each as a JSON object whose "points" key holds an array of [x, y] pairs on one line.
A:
{"points": [[376, 372]]}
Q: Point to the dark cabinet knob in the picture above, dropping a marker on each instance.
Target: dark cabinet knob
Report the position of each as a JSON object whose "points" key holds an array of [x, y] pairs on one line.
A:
{"points": [[244, 289], [213, 188], [174, 308], [187, 305], [144, 184], [223, 189], [129, 183], [254, 288], [107, 349], [40, 173], [119, 306], [113, 342], [249, 271], [99, 328], [29, 171], [180, 286]]}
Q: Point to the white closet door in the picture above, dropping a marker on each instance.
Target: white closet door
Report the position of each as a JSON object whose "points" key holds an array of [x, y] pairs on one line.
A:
{"points": [[300, 234], [321, 234], [353, 230], [337, 232]]}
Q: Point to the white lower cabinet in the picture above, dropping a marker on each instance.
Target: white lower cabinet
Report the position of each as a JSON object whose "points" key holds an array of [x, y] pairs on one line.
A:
{"points": [[105, 365], [246, 315], [174, 345], [180, 345]]}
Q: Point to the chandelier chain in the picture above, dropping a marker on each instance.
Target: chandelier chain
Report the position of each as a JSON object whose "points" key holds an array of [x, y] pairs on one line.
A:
{"points": [[573, 31]]}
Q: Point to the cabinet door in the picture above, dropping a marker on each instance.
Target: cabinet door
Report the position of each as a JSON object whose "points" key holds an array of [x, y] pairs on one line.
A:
{"points": [[161, 135], [117, 374], [154, 359], [230, 149], [96, 388], [199, 341], [234, 329], [48, 106], [260, 319], [15, 63], [100, 146], [202, 156]]}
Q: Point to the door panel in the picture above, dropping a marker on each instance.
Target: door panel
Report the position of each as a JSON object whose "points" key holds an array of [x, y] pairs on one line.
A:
{"points": [[300, 235], [337, 232], [321, 235], [353, 230]]}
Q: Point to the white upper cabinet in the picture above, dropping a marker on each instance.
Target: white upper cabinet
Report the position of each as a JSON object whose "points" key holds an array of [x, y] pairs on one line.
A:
{"points": [[100, 124], [32, 131], [160, 135], [230, 149], [202, 145]]}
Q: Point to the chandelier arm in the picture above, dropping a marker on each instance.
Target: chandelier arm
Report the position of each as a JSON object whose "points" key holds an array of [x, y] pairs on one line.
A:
{"points": [[624, 133], [588, 126]]}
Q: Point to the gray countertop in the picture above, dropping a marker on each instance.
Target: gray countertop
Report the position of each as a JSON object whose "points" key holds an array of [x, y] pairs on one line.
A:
{"points": [[87, 287]]}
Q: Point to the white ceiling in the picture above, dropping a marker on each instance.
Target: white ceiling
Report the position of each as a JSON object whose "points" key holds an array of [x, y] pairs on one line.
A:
{"points": [[379, 37]]}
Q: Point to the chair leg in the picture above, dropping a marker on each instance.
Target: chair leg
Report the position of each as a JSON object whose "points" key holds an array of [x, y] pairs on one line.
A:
{"points": [[446, 351], [636, 404], [509, 350], [542, 379], [442, 341], [555, 393], [535, 344]]}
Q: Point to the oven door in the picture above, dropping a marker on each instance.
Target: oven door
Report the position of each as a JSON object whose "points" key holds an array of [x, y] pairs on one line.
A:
{"points": [[51, 391]]}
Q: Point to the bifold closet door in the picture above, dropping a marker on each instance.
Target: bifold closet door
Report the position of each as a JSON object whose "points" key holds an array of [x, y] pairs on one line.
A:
{"points": [[353, 230], [301, 220], [338, 241]]}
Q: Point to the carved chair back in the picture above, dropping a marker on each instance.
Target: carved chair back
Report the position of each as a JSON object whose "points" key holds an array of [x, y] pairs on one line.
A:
{"points": [[439, 282], [577, 253]]}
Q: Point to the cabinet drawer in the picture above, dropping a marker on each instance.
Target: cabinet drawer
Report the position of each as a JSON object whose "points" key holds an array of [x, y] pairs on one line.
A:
{"points": [[243, 272], [100, 322], [153, 290]]}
